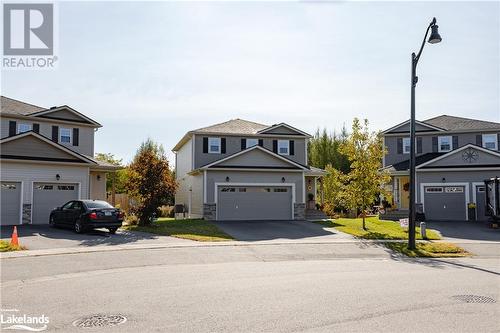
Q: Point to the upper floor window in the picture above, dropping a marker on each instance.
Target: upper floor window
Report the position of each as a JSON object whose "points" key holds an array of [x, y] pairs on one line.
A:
{"points": [[490, 141], [252, 142], [283, 147], [21, 128], [406, 145], [214, 145], [64, 135], [444, 143]]}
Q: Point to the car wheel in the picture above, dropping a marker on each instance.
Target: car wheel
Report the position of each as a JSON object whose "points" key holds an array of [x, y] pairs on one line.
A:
{"points": [[112, 230], [78, 227], [52, 221]]}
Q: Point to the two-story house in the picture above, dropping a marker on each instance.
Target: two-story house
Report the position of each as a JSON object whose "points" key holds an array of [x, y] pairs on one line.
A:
{"points": [[46, 160], [241, 170], [454, 157]]}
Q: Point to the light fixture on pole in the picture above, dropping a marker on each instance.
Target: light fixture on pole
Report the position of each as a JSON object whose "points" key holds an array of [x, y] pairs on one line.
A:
{"points": [[433, 39]]}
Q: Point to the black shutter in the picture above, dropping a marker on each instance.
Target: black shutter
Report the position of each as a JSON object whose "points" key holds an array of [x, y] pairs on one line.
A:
{"points": [[275, 146], [243, 144], [76, 138], [205, 145], [479, 140], [36, 128], [12, 128], [261, 142], [223, 145], [419, 145], [434, 144], [455, 141], [55, 133], [498, 144], [292, 147], [400, 145]]}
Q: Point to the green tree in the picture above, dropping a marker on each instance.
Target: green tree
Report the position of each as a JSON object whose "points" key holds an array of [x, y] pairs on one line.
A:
{"points": [[121, 176], [150, 181], [323, 150], [333, 189], [364, 181]]}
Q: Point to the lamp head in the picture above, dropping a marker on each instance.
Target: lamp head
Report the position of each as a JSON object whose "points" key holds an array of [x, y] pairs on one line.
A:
{"points": [[434, 37]]}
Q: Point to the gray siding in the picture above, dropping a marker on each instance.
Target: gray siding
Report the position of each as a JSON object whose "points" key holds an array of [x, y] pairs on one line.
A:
{"points": [[233, 145], [33, 147], [254, 177], [256, 158]]}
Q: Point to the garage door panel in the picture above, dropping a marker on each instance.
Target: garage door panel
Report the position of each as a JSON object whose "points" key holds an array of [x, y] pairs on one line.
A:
{"points": [[445, 203], [254, 203], [47, 196], [10, 203]]}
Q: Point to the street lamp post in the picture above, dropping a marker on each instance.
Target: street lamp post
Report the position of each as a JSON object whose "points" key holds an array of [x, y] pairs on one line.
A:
{"points": [[433, 39]]}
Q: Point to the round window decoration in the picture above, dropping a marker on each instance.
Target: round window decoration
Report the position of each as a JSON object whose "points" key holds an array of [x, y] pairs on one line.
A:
{"points": [[470, 155]]}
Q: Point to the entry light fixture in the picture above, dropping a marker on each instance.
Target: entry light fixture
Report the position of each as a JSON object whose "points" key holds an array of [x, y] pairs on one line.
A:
{"points": [[283, 179], [228, 179], [98, 177], [58, 177], [443, 180]]}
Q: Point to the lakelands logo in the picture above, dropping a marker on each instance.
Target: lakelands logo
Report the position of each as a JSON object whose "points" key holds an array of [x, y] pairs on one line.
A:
{"points": [[13, 320], [28, 36]]}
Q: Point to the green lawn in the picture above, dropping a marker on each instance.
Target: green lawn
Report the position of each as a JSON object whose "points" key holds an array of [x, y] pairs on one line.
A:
{"points": [[198, 230], [433, 250], [6, 247], [375, 228]]}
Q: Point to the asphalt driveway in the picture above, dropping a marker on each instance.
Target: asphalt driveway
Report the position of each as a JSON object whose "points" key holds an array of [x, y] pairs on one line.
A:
{"points": [[279, 230], [37, 237]]}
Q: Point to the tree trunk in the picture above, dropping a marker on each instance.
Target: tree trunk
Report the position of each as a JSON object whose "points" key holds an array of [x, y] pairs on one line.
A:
{"points": [[364, 226]]}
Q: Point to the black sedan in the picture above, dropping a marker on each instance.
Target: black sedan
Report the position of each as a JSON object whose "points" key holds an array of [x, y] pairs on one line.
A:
{"points": [[81, 215]]}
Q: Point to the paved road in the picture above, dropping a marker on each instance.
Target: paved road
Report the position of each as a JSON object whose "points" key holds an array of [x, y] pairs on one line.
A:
{"points": [[255, 288]]}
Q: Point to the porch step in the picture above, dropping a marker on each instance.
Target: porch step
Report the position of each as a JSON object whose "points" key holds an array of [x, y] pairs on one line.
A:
{"points": [[314, 214], [394, 215]]}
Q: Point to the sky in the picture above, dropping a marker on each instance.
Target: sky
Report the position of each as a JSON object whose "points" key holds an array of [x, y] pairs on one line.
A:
{"points": [[160, 69]]}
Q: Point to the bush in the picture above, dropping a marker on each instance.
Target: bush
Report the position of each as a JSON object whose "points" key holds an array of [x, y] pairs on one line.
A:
{"points": [[131, 219], [166, 211]]}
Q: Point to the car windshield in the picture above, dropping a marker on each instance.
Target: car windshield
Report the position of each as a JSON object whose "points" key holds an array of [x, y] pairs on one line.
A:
{"points": [[98, 204]]}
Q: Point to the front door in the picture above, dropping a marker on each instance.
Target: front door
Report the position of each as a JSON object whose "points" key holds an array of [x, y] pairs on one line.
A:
{"points": [[481, 203]]}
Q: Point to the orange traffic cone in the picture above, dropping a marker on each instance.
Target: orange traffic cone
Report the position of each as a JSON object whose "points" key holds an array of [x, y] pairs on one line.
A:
{"points": [[14, 240]]}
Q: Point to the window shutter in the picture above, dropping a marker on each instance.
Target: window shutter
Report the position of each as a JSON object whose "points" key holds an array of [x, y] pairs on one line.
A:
{"points": [[55, 133], [12, 128], [292, 147], [36, 128], [261, 142], [243, 144], [400, 145], [498, 143], [275, 146], [205, 145], [479, 140], [76, 138], [455, 141], [434, 144], [223, 145], [419, 145]]}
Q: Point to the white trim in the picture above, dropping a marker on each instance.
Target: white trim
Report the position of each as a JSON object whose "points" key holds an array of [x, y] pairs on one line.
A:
{"points": [[18, 131], [64, 107], [303, 188], [263, 131], [467, 194], [283, 141], [416, 122], [256, 142], [406, 138], [439, 143], [494, 141], [249, 150], [470, 145], [70, 135], [474, 193], [217, 184], [250, 169], [219, 145], [204, 186], [457, 169]]}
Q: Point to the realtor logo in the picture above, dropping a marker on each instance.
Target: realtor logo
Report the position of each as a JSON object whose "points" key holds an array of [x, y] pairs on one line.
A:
{"points": [[28, 29]]}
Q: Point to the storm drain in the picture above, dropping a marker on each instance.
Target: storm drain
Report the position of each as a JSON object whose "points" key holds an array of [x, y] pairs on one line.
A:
{"points": [[99, 320], [474, 299]]}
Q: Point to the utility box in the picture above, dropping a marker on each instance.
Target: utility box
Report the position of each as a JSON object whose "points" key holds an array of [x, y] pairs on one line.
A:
{"points": [[492, 192]]}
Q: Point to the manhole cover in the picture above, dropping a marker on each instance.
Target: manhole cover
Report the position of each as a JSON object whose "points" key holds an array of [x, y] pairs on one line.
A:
{"points": [[100, 320], [474, 299]]}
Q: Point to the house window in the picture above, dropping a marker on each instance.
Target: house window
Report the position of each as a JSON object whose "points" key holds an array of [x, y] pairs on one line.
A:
{"points": [[433, 189], [21, 128], [490, 141], [252, 142], [64, 135], [283, 147], [214, 145], [454, 189], [444, 144], [406, 145]]}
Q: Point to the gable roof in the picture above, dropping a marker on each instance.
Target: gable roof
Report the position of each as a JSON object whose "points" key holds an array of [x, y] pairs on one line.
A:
{"points": [[452, 123], [286, 126], [418, 123], [16, 107], [420, 159], [221, 162], [428, 163], [233, 126]]}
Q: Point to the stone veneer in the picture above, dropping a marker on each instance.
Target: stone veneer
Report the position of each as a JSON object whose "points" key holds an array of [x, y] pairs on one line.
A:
{"points": [[299, 211], [209, 211], [26, 213]]}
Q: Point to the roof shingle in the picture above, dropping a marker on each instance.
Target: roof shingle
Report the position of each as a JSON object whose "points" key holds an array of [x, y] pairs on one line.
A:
{"points": [[9, 105], [233, 126], [452, 123]]}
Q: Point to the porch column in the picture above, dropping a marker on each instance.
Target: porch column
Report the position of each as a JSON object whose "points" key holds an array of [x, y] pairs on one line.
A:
{"points": [[113, 190]]}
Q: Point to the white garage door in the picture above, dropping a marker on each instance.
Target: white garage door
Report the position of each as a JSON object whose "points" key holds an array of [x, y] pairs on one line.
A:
{"points": [[254, 203], [47, 196], [10, 203]]}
